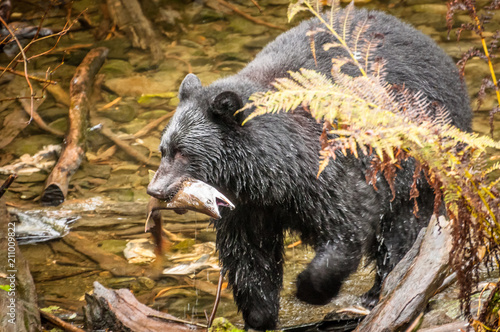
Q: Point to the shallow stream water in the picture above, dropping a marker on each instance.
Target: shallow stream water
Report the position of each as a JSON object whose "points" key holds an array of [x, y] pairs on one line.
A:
{"points": [[107, 194]]}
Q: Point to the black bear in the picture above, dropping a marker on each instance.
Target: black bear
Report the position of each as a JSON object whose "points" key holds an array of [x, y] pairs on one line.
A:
{"points": [[268, 167]]}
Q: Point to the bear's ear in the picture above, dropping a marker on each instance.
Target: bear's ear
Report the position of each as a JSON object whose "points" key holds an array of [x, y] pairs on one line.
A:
{"points": [[189, 84], [225, 105]]}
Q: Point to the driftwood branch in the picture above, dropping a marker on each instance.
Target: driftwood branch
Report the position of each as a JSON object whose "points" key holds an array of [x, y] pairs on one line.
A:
{"points": [[120, 311], [128, 16], [56, 187], [399, 308]]}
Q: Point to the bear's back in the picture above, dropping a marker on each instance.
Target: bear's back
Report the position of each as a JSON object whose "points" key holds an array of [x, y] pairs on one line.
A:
{"points": [[411, 59]]}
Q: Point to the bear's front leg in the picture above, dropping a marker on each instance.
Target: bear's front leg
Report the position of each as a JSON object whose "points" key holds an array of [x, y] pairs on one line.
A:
{"points": [[253, 260], [321, 280], [256, 291]]}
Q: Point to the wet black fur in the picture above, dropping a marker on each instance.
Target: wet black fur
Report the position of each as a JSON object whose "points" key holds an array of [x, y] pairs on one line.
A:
{"points": [[268, 169]]}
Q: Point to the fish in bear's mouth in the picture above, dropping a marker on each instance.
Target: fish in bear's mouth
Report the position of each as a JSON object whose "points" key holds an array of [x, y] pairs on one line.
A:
{"points": [[194, 195]]}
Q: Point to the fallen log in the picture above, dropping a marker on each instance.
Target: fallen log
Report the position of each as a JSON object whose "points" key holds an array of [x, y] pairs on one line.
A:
{"points": [[19, 311], [408, 299], [399, 271], [56, 187], [119, 310]]}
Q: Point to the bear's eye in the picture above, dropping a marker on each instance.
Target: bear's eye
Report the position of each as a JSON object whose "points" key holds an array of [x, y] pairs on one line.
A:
{"points": [[163, 152], [176, 153]]}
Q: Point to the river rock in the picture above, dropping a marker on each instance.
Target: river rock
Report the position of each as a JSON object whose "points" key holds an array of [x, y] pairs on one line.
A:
{"points": [[245, 27], [60, 124], [53, 112], [31, 144], [116, 67], [151, 115], [138, 85], [207, 15], [120, 113], [440, 9], [259, 42]]}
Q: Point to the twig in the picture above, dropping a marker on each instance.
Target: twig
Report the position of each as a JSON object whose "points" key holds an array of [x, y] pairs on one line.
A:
{"points": [[177, 320], [217, 300], [61, 33], [7, 183], [39, 27], [34, 78], [25, 62], [110, 104], [480, 31], [257, 5], [18, 98], [164, 290], [152, 125], [25, 59], [248, 17], [38, 119], [295, 244], [127, 148], [67, 28], [59, 322]]}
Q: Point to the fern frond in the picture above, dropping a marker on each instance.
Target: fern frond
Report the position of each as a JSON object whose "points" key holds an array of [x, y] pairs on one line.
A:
{"points": [[346, 27], [295, 8], [491, 169]]}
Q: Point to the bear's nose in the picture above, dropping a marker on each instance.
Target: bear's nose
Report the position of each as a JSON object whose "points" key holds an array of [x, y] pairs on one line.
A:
{"points": [[156, 191]]}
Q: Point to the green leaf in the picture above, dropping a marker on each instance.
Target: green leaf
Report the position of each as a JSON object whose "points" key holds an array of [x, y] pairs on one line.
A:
{"points": [[51, 309], [5, 288], [146, 99]]}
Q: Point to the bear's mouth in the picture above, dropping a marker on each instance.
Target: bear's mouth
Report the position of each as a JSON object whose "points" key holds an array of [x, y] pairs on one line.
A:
{"points": [[220, 202], [196, 196]]}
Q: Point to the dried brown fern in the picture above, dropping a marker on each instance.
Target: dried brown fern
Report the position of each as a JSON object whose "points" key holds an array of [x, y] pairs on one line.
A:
{"points": [[477, 24]]}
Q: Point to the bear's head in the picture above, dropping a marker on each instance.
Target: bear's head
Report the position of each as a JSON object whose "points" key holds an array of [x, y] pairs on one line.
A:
{"points": [[197, 142]]}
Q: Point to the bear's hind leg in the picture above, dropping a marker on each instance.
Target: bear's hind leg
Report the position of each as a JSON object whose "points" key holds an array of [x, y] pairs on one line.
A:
{"points": [[398, 233], [321, 280]]}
